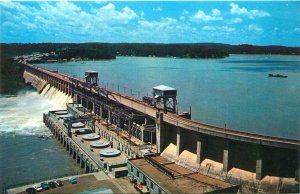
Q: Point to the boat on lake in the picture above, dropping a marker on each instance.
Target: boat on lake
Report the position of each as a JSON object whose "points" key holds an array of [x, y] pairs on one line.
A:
{"points": [[278, 75]]}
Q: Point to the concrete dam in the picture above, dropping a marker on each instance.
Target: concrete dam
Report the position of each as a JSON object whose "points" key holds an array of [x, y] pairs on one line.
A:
{"points": [[221, 153]]}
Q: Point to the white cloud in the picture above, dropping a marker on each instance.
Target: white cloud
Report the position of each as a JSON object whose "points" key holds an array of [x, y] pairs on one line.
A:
{"points": [[100, 1], [254, 13], [66, 19], [185, 12], [253, 27], [166, 29], [128, 13], [218, 28], [8, 24], [209, 28], [201, 16], [29, 25], [64, 5], [108, 22], [235, 20], [164, 22], [109, 13], [16, 6], [228, 29], [109, 6], [297, 29], [157, 9], [12, 5], [216, 12]]}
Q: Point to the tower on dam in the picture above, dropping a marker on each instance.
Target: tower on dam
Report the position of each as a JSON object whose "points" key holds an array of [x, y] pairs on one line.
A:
{"points": [[165, 98], [91, 78]]}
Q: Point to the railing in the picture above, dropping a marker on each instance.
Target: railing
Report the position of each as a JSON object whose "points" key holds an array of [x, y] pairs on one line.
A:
{"points": [[159, 167], [198, 126]]}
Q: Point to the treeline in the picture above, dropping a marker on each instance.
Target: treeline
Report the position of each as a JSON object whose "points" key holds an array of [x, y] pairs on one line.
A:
{"points": [[64, 50], [252, 49], [169, 50], [84, 53], [111, 50], [10, 75]]}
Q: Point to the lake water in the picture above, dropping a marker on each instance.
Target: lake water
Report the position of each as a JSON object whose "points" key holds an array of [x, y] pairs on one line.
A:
{"points": [[28, 152], [235, 91]]}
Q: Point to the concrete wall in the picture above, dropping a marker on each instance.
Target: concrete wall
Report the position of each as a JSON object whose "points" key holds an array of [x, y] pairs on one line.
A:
{"points": [[260, 159], [170, 136], [141, 177], [35, 81], [71, 147]]}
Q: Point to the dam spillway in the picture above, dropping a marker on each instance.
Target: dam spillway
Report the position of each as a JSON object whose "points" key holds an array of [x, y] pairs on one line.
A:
{"points": [[175, 137]]}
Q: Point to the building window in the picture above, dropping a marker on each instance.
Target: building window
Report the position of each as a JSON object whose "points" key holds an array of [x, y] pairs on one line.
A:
{"points": [[138, 174], [151, 185], [159, 191], [131, 168]]}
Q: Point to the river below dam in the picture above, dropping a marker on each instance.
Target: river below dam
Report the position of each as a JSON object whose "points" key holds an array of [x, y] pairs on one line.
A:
{"points": [[28, 152], [235, 91]]}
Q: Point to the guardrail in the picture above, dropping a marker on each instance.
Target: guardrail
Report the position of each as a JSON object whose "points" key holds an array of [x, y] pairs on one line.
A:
{"points": [[159, 167]]}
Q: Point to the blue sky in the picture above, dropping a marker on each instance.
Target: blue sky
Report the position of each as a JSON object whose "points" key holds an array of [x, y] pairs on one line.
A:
{"points": [[240, 22]]}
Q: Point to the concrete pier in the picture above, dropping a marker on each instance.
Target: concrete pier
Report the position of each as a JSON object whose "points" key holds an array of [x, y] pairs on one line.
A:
{"points": [[200, 149], [160, 132], [71, 147], [179, 142]]}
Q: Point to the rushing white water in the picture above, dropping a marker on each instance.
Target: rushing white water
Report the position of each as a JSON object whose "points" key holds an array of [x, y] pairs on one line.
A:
{"points": [[45, 90], [23, 114], [56, 96]]}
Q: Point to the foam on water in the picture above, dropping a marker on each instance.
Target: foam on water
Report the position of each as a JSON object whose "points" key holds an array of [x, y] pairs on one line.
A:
{"points": [[23, 114]]}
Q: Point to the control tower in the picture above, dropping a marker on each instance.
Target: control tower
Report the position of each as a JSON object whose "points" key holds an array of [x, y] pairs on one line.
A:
{"points": [[91, 77], [165, 98]]}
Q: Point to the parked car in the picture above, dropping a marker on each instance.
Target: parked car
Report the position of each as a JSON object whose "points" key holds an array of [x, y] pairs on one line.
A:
{"points": [[37, 188], [30, 190], [72, 180], [52, 184], [45, 185], [59, 183]]}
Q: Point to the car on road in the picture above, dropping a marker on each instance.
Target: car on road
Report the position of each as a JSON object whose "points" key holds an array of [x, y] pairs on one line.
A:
{"points": [[72, 180], [45, 185], [52, 184], [37, 188], [30, 190], [59, 183]]}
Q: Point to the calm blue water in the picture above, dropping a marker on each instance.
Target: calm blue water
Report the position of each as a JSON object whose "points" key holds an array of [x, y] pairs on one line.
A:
{"points": [[28, 152], [235, 90]]}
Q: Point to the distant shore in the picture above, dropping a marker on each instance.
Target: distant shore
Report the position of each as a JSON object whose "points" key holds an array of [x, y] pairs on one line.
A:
{"points": [[11, 72]]}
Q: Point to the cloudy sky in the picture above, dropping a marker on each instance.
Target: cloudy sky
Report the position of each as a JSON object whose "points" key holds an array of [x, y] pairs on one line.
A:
{"points": [[240, 22]]}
